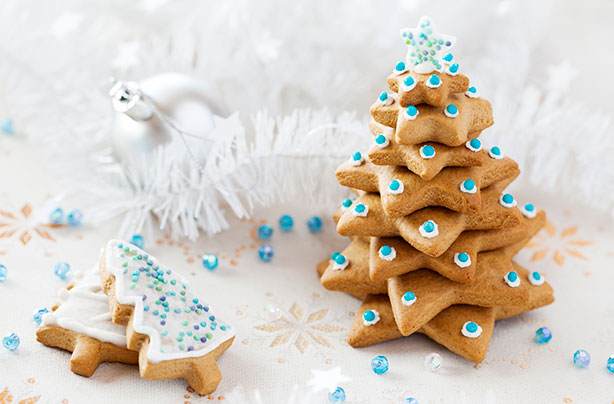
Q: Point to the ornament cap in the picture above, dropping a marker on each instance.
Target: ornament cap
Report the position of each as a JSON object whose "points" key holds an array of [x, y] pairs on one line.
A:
{"points": [[128, 99]]}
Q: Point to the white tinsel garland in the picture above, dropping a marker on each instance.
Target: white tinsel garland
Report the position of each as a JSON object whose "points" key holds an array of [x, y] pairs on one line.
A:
{"points": [[275, 56]]}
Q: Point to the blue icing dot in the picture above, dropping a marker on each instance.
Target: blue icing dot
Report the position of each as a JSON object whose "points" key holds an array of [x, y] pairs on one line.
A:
{"points": [[452, 110], [428, 150], [369, 315], [434, 80], [495, 150], [412, 110], [409, 81], [380, 139], [400, 67], [347, 203], [339, 259], [475, 143], [394, 185], [463, 257], [529, 207], [383, 96], [508, 198], [356, 156], [359, 208], [448, 56], [471, 327], [453, 68], [385, 250], [472, 89], [429, 226], [536, 276], [409, 296], [469, 184], [512, 276]]}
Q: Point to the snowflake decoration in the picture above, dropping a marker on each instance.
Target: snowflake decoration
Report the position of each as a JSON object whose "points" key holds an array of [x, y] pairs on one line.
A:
{"points": [[426, 46], [327, 380]]}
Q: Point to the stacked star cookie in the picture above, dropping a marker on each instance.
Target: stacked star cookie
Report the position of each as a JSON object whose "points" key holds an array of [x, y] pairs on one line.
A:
{"points": [[433, 231], [133, 309]]}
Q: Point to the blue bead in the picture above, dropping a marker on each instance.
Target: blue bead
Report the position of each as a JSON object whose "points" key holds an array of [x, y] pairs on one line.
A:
{"points": [[409, 296], [610, 364], [38, 315], [266, 253], [400, 67], [286, 223], [368, 315], [383, 96], [543, 335], [428, 150], [529, 207], [265, 232], [379, 364], [471, 327], [495, 150], [409, 81], [434, 80], [475, 143], [463, 257], [74, 218], [453, 68], [210, 261], [359, 208], [56, 216], [334, 256], [339, 259], [452, 110], [410, 401], [448, 57], [394, 185], [428, 226], [581, 358], [385, 250], [138, 241], [472, 89], [315, 224], [412, 110], [347, 203], [11, 341], [61, 270], [512, 276], [3, 272], [469, 184], [508, 198], [337, 396], [536, 276], [380, 139], [7, 126]]}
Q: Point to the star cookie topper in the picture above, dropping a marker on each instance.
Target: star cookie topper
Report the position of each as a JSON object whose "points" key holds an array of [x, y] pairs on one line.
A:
{"points": [[427, 47]]}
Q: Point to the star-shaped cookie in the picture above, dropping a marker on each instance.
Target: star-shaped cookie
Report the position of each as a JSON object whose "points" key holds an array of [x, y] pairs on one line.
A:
{"points": [[413, 88], [451, 264], [449, 125], [403, 192], [446, 224], [446, 327], [420, 159], [434, 293]]}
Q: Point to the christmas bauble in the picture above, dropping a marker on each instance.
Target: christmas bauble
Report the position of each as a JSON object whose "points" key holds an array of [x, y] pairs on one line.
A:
{"points": [[148, 113]]}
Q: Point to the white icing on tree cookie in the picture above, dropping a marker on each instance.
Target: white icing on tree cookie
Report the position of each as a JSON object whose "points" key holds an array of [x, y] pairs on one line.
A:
{"points": [[84, 309], [178, 323]]}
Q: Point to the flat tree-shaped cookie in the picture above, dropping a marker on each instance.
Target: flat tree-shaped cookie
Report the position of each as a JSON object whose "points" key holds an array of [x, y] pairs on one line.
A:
{"points": [[177, 334]]}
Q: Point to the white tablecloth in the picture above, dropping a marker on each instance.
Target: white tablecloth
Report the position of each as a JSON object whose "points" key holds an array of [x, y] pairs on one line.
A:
{"points": [[575, 252]]}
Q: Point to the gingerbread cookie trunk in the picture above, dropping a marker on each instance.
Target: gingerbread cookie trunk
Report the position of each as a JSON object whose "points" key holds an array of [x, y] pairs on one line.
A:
{"points": [[450, 124], [403, 192], [459, 261], [81, 323], [177, 335], [429, 230], [426, 159]]}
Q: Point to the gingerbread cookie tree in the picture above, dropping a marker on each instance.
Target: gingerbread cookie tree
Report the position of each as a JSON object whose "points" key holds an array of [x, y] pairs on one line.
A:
{"points": [[433, 232]]}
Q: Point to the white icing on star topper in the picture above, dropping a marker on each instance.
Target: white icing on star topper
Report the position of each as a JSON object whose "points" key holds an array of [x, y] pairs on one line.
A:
{"points": [[426, 47]]}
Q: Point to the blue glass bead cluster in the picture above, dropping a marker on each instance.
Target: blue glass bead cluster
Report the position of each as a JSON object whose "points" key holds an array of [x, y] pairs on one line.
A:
{"points": [[61, 270], [74, 218]]}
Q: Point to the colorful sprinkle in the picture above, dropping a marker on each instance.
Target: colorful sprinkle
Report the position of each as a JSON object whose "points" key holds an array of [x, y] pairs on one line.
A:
{"points": [[426, 46]]}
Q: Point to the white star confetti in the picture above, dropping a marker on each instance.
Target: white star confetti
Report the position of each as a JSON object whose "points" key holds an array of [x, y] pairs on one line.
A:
{"points": [[426, 46]]}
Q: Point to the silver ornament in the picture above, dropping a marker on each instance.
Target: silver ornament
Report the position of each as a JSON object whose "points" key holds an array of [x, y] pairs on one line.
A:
{"points": [[150, 112]]}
